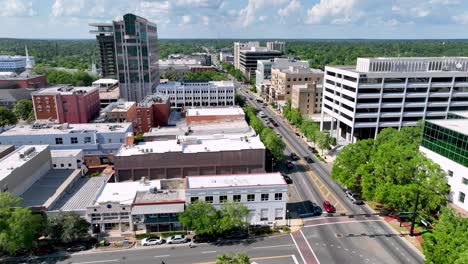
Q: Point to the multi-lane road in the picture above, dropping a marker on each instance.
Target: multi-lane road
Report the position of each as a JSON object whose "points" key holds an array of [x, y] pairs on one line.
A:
{"points": [[358, 239]]}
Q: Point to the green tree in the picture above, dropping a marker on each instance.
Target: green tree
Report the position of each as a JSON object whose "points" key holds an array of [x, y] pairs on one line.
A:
{"points": [[239, 258], [19, 227], [239, 99], [253, 89], [200, 217], [7, 117], [296, 117], [232, 216], [323, 141], [287, 110], [23, 109], [67, 227], [273, 143], [447, 243]]}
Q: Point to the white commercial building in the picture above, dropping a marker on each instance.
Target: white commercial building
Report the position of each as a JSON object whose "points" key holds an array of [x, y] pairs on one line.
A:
{"points": [[264, 194], [183, 94], [446, 143], [67, 159], [392, 92]]}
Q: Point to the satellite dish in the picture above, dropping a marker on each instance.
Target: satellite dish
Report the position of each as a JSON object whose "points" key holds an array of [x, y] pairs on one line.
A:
{"points": [[458, 66]]}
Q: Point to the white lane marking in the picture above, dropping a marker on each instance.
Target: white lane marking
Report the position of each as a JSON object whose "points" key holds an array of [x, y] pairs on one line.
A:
{"points": [[162, 256], [208, 252], [97, 261], [294, 259], [307, 241], [343, 222], [285, 245], [300, 253]]}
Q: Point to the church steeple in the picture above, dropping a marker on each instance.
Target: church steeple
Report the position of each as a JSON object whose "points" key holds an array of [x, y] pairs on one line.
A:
{"points": [[29, 63]]}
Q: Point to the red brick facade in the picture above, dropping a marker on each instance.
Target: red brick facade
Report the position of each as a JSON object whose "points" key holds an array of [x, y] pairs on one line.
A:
{"points": [[154, 115], [36, 82]]}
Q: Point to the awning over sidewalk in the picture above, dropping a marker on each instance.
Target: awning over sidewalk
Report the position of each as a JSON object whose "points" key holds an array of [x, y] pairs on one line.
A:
{"points": [[158, 209]]}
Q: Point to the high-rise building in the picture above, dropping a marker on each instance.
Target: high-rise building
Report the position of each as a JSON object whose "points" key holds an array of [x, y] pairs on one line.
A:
{"points": [[105, 40], [446, 143], [392, 92], [276, 45], [136, 55], [282, 80], [248, 59], [238, 46]]}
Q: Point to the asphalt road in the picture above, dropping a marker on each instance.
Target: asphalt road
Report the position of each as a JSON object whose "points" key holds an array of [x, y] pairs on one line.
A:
{"points": [[376, 242]]}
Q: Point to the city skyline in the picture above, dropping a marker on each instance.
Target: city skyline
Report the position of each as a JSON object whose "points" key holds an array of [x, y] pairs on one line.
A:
{"points": [[318, 19]]}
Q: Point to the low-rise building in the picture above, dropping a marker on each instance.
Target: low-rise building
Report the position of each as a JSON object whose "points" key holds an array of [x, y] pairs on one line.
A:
{"points": [[66, 104], [119, 112], [282, 80], [198, 93], [307, 98], [71, 159], [224, 53], [446, 143], [23, 80], [9, 97], [217, 114], [153, 111], [99, 141], [14, 63], [178, 158], [264, 194]]}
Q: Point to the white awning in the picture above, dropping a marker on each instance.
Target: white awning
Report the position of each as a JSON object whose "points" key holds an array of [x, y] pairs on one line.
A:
{"points": [[158, 209]]}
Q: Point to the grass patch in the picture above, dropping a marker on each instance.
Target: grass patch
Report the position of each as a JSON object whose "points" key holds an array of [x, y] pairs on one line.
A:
{"points": [[319, 157], [286, 229]]}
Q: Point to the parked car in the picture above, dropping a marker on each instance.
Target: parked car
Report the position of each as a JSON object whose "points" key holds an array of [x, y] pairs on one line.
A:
{"points": [[355, 198], [316, 210], [293, 156], [287, 179], [278, 134], [289, 165], [151, 241], [297, 134], [275, 124], [309, 159], [328, 207], [312, 149], [237, 234], [76, 248], [203, 239], [177, 239]]}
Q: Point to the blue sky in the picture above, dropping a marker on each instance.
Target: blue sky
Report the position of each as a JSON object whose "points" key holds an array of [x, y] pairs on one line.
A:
{"points": [[243, 18]]}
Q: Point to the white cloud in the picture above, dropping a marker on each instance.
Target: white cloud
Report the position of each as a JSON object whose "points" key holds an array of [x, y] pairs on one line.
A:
{"points": [[16, 8], [205, 20], [291, 8], [247, 15], [262, 18], [333, 11], [461, 18], [67, 8], [186, 19]]}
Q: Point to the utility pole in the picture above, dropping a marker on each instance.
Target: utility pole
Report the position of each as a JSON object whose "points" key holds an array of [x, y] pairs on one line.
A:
{"points": [[414, 213]]}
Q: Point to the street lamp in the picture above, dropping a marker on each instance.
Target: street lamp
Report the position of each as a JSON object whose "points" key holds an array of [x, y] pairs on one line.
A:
{"points": [[287, 218]]}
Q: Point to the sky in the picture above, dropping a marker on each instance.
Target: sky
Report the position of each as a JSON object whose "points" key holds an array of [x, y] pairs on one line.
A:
{"points": [[308, 19]]}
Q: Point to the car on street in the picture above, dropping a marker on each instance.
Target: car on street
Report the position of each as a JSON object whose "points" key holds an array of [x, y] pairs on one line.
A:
{"points": [[151, 241], [328, 207], [316, 210], [259, 101], [287, 179], [289, 165], [177, 239], [355, 198], [76, 248], [236, 234], [312, 149], [203, 239], [278, 134], [275, 124], [309, 159], [297, 134], [293, 156], [261, 114]]}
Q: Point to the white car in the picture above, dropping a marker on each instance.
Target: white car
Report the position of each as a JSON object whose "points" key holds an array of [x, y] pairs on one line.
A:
{"points": [[176, 239], [151, 241]]}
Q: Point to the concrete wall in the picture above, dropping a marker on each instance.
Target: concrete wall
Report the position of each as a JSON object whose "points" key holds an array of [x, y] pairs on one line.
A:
{"points": [[178, 165]]}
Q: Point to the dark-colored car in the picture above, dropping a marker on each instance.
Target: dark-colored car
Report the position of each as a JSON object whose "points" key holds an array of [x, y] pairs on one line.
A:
{"points": [[312, 149], [287, 179], [328, 207], [203, 239], [289, 165], [275, 124], [297, 134], [76, 248], [236, 234], [316, 210], [309, 159], [293, 156]]}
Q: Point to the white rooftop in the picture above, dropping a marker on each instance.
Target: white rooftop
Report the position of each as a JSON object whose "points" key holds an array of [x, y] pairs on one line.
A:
{"points": [[55, 129], [190, 85], [460, 113], [118, 106], [13, 160], [234, 180], [105, 81], [457, 125], [218, 111], [125, 192], [65, 90], [192, 145], [59, 153]]}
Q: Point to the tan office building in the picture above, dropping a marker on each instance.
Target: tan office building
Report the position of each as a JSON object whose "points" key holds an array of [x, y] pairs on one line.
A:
{"points": [[282, 81], [307, 98]]}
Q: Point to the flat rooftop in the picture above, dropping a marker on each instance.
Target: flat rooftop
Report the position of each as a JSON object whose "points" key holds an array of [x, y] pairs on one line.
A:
{"points": [[125, 192], [65, 90], [49, 188], [161, 196], [192, 145], [13, 160], [234, 180], [55, 129], [215, 111], [109, 95], [106, 81], [180, 85], [59, 153], [84, 194], [460, 113], [457, 125], [117, 107]]}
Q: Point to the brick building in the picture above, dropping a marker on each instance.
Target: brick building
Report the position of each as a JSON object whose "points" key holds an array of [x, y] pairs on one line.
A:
{"points": [[23, 80], [66, 104], [153, 111], [217, 114]]}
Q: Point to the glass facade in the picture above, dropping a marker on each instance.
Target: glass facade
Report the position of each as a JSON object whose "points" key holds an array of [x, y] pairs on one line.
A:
{"points": [[446, 142]]}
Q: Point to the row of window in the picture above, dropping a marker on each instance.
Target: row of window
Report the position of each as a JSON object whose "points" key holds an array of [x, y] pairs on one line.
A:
{"points": [[238, 197], [87, 140], [198, 92]]}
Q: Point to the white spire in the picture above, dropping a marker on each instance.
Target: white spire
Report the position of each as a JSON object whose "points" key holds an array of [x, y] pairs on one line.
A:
{"points": [[29, 63], [93, 66]]}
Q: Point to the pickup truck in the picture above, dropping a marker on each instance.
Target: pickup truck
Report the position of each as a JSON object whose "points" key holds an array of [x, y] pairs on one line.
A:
{"points": [[355, 198]]}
